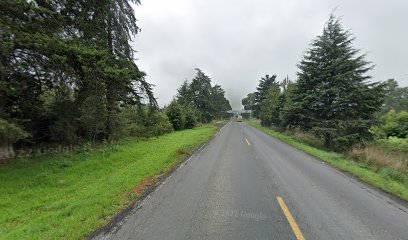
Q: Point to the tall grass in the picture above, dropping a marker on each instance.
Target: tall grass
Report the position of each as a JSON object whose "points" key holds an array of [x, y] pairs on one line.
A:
{"points": [[69, 196]]}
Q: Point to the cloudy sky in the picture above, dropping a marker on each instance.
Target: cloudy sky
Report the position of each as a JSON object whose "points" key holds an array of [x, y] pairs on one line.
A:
{"points": [[238, 42]]}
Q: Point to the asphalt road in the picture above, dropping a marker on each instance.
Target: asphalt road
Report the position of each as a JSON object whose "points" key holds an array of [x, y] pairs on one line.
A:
{"points": [[247, 185]]}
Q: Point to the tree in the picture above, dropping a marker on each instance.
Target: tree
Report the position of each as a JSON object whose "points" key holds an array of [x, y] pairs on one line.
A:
{"points": [[249, 101], [220, 103], [207, 102], [185, 94], [192, 116], [176, 115], [332, 97], [271, 106], [262, 90], [396, 124], [159, 124], [83, 46], [201, 89], [287, 116], [396, 97], [9, 134]]}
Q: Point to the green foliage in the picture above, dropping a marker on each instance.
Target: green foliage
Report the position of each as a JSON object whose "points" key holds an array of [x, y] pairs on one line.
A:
{"points": [[160, 124], [393, 174], [208, 101], [192, 116], [185, 94], [396, 97], [70, 196], [332, 97], [202, 89], [262, 91], [271, 105], [176, 115], [249, 101], [396, 125], [11, 132], [67, 68], [395, 144]]}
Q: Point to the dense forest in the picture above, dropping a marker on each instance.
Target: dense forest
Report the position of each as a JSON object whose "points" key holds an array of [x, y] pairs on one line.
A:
{"points": [[68, 74], [333, 97]]}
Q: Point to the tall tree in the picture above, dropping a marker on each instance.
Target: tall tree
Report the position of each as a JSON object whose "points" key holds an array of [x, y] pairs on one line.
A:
{"points": [[220, 103], [396, 97], [262, 90], [184, 94], [201, 97], [202, 89], [333, 98], [271, 106], [249, 101], [83, 46]]}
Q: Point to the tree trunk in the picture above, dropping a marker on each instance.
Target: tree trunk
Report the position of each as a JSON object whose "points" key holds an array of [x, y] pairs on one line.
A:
{"points": [[327, 141], [6, 149], [110, 95]]}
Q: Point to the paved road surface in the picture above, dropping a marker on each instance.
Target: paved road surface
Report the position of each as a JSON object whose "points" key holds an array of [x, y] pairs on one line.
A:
{"points": [[230, 190]]}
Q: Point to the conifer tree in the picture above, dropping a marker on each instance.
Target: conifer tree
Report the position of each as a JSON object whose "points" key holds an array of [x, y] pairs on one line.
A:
{"points": [[262, 90], [333, 97]]}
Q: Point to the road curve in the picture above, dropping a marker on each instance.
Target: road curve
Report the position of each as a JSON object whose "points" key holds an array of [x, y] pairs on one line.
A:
{"points": [[246, 185]]}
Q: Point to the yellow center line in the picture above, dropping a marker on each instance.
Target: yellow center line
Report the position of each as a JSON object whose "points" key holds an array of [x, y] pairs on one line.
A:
{"points": [[249, 144], [291, 220]]}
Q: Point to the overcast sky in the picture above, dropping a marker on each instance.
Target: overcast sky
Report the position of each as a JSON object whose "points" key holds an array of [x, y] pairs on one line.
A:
{"points": [[238, 42]]}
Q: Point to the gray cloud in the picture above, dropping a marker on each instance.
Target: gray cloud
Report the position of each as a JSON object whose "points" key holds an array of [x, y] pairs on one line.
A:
{"points": [[237, 42]]}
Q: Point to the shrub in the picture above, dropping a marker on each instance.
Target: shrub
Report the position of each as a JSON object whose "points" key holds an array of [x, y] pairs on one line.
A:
{"points": [[379, 155], [191, 117], [160, 124], [393, 174], [396, 124], [175, 115]]}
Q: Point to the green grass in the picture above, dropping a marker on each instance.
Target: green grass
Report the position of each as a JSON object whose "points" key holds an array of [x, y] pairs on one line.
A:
{"points": [[387, 179], [68, 197]]}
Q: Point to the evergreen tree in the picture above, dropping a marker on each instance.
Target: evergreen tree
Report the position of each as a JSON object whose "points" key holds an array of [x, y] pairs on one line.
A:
{"points": [[249, 101], [199, 97], [176, 115], [220, 103], [396, 97], [83, 46], [201, 89], [271, 106], [262, 90], [333, 98], [185, 95]]}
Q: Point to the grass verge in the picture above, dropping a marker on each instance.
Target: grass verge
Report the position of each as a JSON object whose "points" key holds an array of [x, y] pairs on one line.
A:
{"points": [[382, 179], [70, 196]]}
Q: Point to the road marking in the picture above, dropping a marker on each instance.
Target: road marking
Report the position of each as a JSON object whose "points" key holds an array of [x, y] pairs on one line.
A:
{"points": [[249, 144], [291, 220]]}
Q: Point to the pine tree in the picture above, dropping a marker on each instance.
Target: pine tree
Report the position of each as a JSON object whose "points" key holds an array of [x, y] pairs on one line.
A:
{"points": [[262, 90], [185, 95], [396, 97], [202, 89], [271, 106], [249, 101], [220, 103], [199, 97], [333, 98], [81, 45]]}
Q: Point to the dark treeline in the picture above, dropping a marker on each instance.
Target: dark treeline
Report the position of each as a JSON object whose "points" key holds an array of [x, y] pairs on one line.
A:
{"points": [[333, 97], [198, 101], [68, 75], [67, 69]]}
